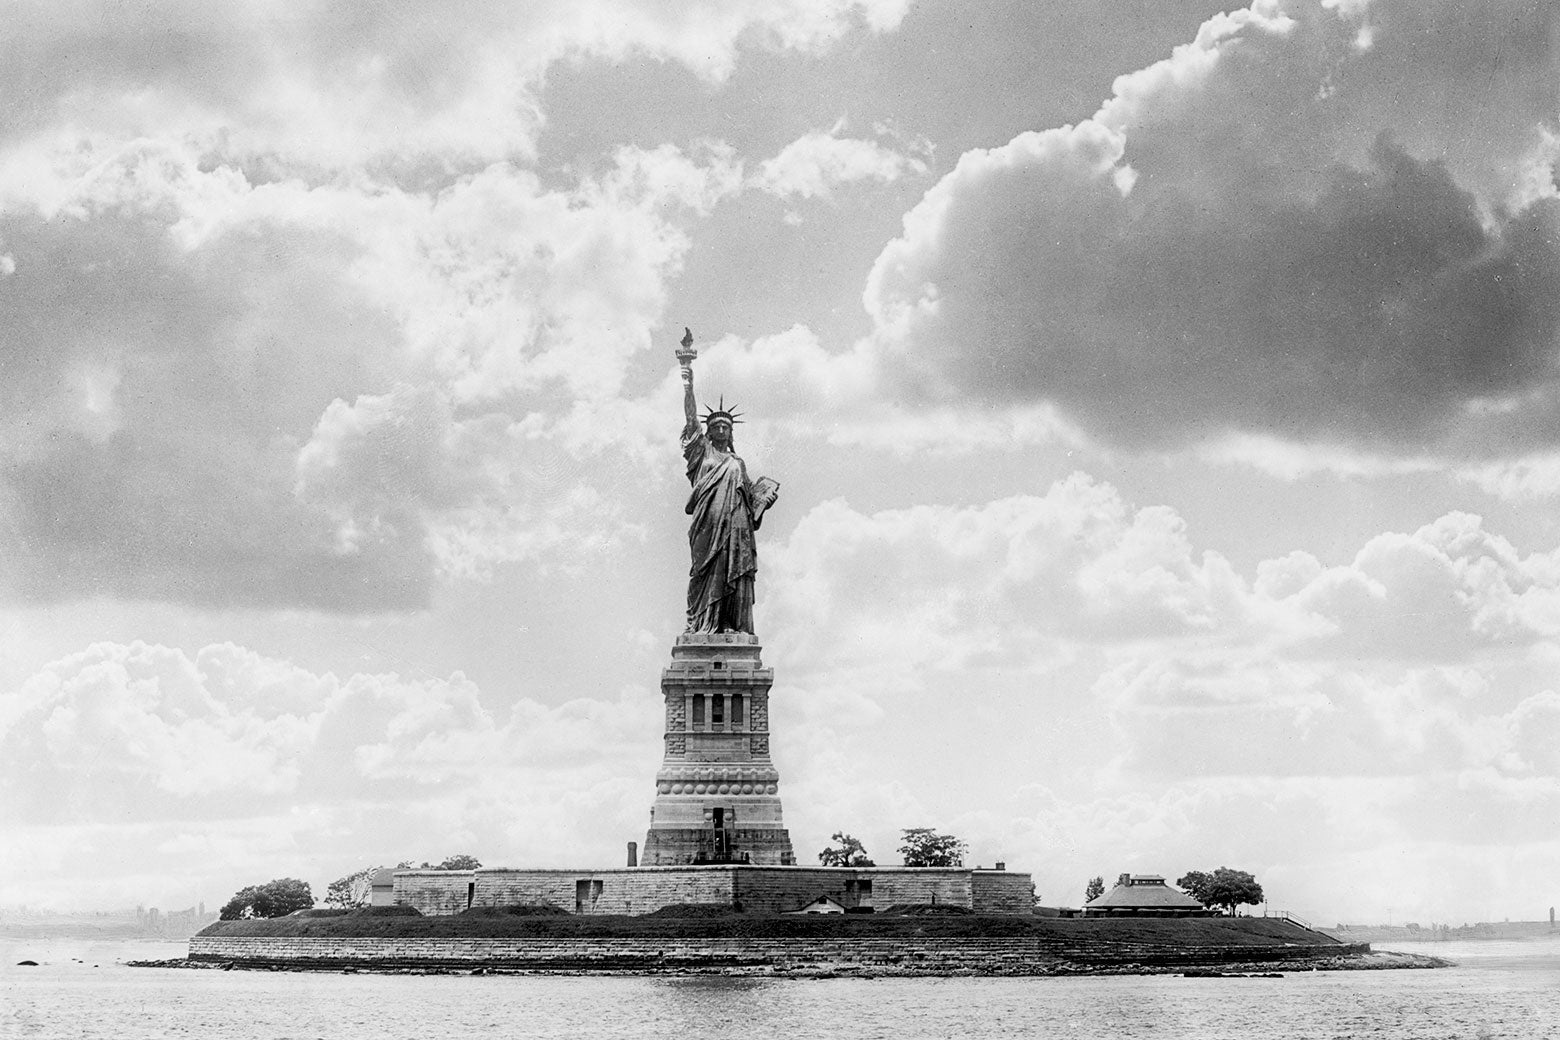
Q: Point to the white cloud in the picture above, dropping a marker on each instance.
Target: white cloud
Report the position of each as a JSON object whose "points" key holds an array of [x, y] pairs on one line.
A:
{"points": [[268, 767], [1160, 710], [1364, 847], [1532, 477], [364, 374], [942, 587], [706, 37], [796, 388], [813, 164], [476, 491], [1450, 588], [649, 178], [1279, 267], [399, 92], [331, 342], [1291, 461], [275, 225]]}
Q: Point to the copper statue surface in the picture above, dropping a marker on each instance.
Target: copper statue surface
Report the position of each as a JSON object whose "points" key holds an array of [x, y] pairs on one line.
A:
{"points": [[725, 509]]}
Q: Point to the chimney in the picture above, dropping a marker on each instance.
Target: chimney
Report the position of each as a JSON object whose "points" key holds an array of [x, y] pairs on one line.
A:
{"points": [[633, 853], [1001, 865]]}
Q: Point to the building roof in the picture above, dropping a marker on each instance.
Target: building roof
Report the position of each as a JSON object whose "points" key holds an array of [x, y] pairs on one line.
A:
{"points": [[1144, 890], [821, 905]]}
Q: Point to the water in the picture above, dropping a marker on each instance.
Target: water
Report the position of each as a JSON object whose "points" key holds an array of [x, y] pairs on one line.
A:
{"points": [[1498, 990]]}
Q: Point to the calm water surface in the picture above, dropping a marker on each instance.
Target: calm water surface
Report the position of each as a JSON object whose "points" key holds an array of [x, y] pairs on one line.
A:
{"points": [[1505, 990]]}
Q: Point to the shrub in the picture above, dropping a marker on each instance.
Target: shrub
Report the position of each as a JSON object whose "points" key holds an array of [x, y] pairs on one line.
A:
{"points": [[696, 910], [385, 911], [520, 910], [928, 910]]}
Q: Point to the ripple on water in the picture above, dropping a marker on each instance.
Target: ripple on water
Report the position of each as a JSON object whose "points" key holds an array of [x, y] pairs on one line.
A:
{"points": [[1512, 995]]}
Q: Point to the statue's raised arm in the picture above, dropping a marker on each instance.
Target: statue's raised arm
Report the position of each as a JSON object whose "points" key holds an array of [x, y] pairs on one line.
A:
{"points": [[724, 508], [685, 355]]}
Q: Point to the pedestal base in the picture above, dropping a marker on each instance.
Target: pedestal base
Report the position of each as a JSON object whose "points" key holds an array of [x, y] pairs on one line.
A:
{"points": [[717, 791]]}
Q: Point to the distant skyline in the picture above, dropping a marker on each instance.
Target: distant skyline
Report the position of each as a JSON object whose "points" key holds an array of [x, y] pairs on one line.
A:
{"points": [[1164, 402]]}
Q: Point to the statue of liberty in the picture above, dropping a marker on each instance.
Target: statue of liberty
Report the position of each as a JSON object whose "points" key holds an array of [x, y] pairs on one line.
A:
{"points": [[725, 508]]}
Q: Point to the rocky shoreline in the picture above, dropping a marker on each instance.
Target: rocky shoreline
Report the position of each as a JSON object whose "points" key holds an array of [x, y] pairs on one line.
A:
{"points": [[1369, 961]]}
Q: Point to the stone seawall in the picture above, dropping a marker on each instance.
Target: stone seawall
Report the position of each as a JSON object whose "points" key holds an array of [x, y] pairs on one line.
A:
{"points": [[884, 956]]}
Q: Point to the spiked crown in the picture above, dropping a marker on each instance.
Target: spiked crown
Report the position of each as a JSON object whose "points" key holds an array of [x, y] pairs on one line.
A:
{"points": [[720, 412]]}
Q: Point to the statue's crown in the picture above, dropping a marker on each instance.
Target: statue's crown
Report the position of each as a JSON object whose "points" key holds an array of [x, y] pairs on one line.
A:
{"points": [[720, 412]]}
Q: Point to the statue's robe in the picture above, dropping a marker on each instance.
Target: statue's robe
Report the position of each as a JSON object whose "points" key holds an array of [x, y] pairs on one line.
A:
{"points": [[720, 537]]}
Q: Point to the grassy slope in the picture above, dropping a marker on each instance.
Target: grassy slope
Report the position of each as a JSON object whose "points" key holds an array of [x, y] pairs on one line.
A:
{"points": [[1182, 932]]}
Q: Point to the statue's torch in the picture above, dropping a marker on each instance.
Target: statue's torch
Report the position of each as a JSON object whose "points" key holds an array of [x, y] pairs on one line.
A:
{"points": [[685, 353]]}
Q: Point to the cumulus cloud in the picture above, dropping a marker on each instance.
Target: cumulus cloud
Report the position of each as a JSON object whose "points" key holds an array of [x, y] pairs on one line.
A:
{"points": [[947, 588], [278, 394], [267, 766], [1367, 845], [1286, 229], [794, 387], [1220, 710], [812, 165], [1520, 479], [1290, 460], [1428, 655], [1448, 590], [290, 321], [1160, 709], [139, 728], [942, 586], [340, 85]]}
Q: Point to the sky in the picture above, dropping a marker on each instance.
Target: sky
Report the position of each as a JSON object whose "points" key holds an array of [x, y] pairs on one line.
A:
{"points": [[1164, 399]]}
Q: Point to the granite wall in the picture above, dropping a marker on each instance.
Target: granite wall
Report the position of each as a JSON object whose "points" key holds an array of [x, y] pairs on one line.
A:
{"points": [[756, 889], [999, 892]]}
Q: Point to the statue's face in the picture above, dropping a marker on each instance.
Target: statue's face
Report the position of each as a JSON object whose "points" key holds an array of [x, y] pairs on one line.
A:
{"points": [[720, 434]]}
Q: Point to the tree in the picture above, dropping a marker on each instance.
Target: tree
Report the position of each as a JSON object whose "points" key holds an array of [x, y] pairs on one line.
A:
{"points": [[276, 898], [1197, 884], [1124, 878], [851, 853], [1223, 888], [353, 890], [924, 847], [459, 861], [1095, 889]]}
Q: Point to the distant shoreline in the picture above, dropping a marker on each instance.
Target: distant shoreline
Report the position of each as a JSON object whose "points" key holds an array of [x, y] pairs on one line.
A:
{"points": [[1485, 931]]}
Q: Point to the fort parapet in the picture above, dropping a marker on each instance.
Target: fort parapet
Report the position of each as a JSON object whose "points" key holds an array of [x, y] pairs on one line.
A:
{"points": [[752, 889]]}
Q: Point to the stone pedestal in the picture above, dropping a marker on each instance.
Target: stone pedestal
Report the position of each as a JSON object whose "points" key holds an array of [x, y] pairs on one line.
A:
{"points": [[717, 792]]}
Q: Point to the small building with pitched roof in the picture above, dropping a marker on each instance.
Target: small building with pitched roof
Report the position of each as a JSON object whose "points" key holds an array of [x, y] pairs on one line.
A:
{"points": [[1146, 895]]}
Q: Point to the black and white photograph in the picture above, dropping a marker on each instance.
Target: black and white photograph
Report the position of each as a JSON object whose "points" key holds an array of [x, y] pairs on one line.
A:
{"points": [[779, 518]]}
